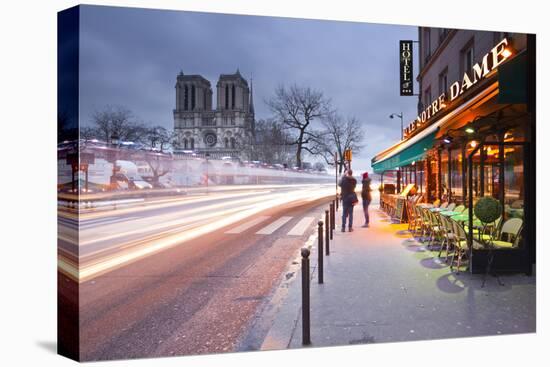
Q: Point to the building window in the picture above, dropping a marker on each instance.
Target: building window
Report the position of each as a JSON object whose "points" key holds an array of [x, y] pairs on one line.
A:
{"points": [[443, 81], [233, 96], [185, 98], [204, 106], [192, 143], [427, 44], [226, 143], [232, 143], [227, 96], [467, 57], [428, 96], [185, 144], [443, 32], [192, 97]]}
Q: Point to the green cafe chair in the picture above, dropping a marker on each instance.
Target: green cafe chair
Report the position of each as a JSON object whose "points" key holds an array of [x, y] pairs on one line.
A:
{"points": [[510, 228]]}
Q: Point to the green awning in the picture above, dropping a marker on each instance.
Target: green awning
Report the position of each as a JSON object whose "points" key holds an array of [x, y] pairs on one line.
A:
{"points": [[413, 153]]}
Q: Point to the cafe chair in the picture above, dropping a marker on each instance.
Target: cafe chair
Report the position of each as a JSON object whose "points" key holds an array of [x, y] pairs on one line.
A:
{"points": [[444, 205], [436, 229], [462, 250], [419, 224], [451, 206], [427, 227], [510, 230], [449, 237]]}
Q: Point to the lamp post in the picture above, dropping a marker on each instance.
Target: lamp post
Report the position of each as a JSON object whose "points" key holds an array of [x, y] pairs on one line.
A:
{"points": [[400, 115]]}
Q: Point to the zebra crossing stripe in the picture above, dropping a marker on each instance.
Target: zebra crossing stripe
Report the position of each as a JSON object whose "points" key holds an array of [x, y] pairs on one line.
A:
{"points": [[301, 226], [274, 226], [243, 227]]}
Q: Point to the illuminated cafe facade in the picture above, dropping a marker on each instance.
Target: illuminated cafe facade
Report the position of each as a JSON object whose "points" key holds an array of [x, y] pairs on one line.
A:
{"points": [[475, 132]]}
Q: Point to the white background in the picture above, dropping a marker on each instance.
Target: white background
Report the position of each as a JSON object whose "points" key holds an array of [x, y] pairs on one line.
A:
{"points": [[28, 182]]}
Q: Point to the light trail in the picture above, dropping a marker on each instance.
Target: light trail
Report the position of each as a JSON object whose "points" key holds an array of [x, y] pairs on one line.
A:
{"points": [[216, 218]]}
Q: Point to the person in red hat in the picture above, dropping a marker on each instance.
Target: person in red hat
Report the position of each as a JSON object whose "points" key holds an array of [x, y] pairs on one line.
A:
{"points": [[366, 196]]}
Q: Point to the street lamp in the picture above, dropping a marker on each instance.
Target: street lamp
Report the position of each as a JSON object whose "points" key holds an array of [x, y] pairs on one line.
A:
{"points": [[400, 115]]}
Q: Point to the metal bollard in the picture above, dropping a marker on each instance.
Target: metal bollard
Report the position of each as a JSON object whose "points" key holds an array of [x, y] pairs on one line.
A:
{"points": [[306, 338], [332, 218], [320, 251], [327, 247], [327, 230]]}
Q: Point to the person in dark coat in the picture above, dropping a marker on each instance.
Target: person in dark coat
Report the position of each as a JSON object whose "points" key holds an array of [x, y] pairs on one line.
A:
{"points": [[366, 196], [349, 198]]}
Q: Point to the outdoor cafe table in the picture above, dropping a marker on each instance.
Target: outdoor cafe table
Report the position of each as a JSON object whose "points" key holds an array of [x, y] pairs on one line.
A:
{"points": [[464, 218], [449, 213]]}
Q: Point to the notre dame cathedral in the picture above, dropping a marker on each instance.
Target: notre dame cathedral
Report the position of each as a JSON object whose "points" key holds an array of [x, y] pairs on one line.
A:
{"points": [[228, 130]]}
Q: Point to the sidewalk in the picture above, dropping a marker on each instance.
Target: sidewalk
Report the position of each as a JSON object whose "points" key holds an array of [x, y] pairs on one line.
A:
{"points": [[382, 286]]}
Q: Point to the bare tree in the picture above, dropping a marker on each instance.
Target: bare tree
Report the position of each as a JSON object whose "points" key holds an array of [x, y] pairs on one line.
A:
{"points": [[296, 108], [160, 165], [158, 137], [117, 121], [337, 136], [272, 143]]}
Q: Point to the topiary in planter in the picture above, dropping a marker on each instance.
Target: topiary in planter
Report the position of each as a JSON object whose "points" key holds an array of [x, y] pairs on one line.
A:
{"points": [[487, 209]]}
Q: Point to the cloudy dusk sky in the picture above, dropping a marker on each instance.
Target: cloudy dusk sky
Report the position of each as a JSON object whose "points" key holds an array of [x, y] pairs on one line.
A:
{"points": [[131, 57]]}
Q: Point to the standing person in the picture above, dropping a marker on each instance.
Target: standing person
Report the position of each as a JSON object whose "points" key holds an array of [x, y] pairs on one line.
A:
{"points": [[349, 199], [366, 196]]}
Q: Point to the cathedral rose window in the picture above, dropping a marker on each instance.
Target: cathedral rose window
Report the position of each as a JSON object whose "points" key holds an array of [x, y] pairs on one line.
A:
{"points": [[210, 139]]}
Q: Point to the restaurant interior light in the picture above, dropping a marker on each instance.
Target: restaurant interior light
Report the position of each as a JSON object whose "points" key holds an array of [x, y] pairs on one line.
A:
{"points": [[470, 130], [473, 143], [447, 139]]}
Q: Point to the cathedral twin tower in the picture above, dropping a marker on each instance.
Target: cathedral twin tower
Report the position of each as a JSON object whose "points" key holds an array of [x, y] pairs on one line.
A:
{"points": [[227, 131]]}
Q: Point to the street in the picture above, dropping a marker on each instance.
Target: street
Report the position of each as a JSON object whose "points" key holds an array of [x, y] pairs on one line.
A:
{"points": [[182, 276]]}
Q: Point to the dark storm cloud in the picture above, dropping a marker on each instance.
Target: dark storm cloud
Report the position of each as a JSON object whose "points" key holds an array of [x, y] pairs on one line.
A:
{"points": [[131, 57]]}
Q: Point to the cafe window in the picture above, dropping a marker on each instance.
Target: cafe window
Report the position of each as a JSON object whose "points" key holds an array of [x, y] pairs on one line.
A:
{"points": [[444, 175], [456, 175], [432, 180], [420, 174], [513, 181]]}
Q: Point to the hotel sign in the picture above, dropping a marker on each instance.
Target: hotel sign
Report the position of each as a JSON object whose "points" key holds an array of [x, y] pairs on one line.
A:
{"points": [[405, 68], [479, 71]]}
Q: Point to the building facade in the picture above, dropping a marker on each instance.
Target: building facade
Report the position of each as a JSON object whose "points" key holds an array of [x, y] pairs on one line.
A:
{"points": [[474, 135], [227, 130]]}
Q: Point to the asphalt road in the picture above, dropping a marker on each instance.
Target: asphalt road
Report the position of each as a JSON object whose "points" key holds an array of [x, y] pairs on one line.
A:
{"points": [[195, 296]]}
